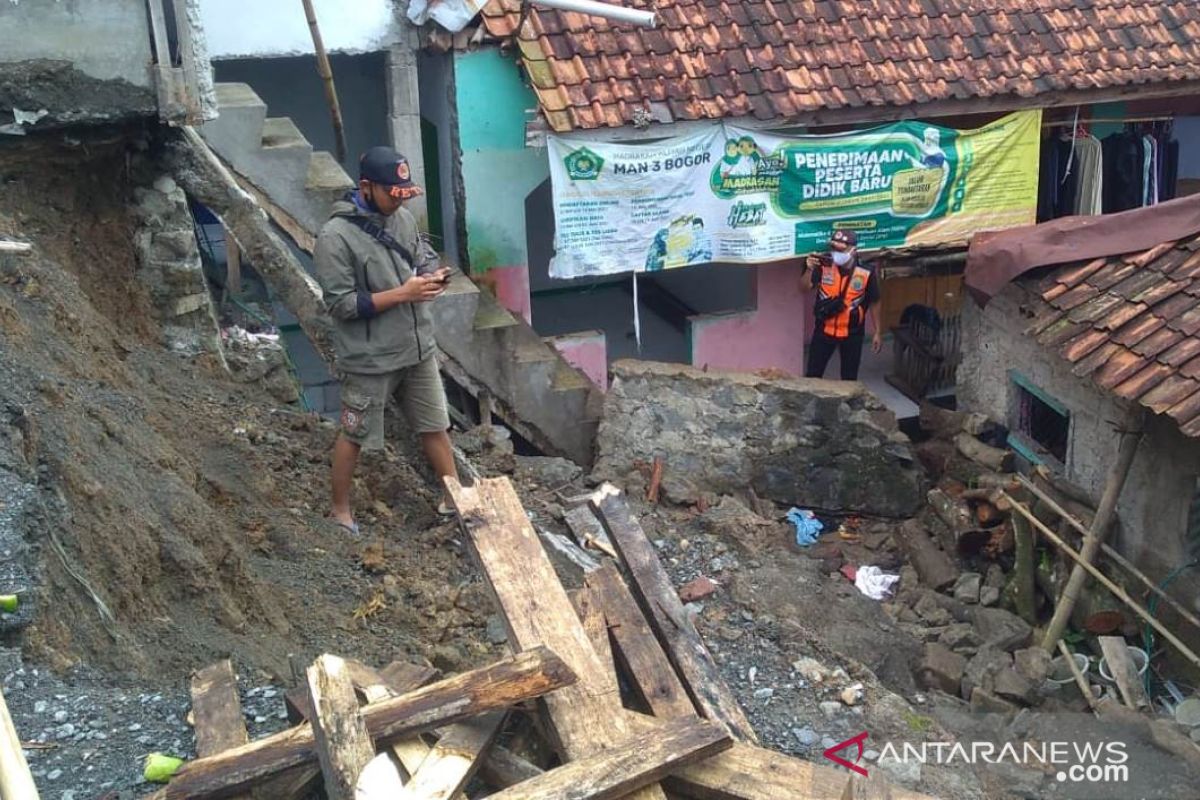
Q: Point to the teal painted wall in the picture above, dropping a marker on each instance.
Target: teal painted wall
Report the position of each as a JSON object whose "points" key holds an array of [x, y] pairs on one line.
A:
{"points": [[498, 170]]}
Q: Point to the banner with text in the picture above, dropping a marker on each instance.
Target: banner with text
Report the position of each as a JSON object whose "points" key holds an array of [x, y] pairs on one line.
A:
{"points": [[740, 196]]}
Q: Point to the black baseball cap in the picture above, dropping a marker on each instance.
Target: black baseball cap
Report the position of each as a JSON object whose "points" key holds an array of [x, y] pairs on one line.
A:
{"points": [[386, 167], [845, 236]]}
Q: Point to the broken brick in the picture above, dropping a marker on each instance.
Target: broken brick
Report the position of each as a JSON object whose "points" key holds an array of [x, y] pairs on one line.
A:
{"points": [[698, 589]]}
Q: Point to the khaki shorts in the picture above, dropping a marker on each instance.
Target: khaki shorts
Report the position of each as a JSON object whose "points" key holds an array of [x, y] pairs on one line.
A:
{"points": [[418, 389]]}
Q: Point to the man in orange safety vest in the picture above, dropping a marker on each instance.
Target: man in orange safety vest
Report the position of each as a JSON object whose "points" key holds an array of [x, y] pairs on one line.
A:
{"points": [[847, 293]]}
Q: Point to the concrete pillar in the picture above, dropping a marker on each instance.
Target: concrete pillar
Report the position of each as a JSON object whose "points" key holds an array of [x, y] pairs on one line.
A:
{"points": [[404, 115]]}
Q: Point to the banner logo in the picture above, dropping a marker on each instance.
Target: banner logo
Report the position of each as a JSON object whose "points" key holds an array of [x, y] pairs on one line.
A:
{"points": [[583, 165]]}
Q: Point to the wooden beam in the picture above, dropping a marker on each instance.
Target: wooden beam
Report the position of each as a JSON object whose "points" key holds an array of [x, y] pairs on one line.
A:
{"points": [[454, 760], [638, 761], [1131, 435], [190, 94], [16, 782], [1129, 683], [588, 531], [504, 768], [638, 652], [529, 674], [588, 607], [343, 744], [659, 602], [586, 716], [217, 711], [746, 772]]}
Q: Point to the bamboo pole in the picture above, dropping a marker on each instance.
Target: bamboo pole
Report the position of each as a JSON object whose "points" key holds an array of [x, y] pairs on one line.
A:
{"points": [[1078, 676], [323, 69], [1131, 435], [1104, 580], [15, 781], [1119, 559]]}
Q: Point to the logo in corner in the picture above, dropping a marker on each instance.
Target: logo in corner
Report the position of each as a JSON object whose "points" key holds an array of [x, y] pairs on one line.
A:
{"points": [[832, 753], [583, 165]]}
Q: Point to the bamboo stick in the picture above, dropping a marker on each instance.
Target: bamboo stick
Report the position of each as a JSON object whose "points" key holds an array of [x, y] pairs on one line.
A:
{"points": [[326, 73], [1119, 559], [15, 781], [1131, 435], [1078, 676], [1117, 591]]}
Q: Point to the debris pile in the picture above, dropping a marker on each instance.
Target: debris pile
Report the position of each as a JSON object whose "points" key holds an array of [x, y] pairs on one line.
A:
{"points": [[630, 703]]}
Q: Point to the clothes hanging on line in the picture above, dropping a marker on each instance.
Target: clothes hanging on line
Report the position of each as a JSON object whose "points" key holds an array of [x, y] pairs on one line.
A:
{"points": [[1080, 174]]}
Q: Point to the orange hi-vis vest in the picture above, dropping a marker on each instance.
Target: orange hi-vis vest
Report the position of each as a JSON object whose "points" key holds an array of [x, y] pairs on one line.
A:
{"points": [[850, 318]]}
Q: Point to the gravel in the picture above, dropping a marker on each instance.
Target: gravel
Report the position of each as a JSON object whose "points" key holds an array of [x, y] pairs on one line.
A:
{"points": [[87, 734]]}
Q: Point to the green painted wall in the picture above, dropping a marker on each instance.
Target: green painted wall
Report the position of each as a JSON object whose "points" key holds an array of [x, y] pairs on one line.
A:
{"points": [[498, 170]]}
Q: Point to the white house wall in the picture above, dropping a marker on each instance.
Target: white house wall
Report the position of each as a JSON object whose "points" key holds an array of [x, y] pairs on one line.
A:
{"points": [[240, 29]]}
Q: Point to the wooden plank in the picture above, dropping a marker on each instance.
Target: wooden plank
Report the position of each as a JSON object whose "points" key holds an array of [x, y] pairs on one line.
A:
{"points": [[504, 768], [638, 652], [655, 594], [454, 760], [1116, 654], [343, 745], [15, 248], [638, 761], [16, 782], [164, 83], [586, 716], [511, 680], [190, 94], [588, 531], [216, 710], [587, 607], [746, 772]]}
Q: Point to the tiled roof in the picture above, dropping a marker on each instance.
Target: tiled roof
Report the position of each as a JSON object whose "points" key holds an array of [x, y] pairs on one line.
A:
{"points": [[1131, 323], [780, 59]]}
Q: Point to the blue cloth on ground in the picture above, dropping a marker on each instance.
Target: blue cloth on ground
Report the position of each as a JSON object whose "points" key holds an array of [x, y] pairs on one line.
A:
{"points": [[808, 527]]}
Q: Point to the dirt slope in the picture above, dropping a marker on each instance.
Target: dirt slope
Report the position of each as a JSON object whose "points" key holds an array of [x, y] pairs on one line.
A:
{"points": [[191, 506]]}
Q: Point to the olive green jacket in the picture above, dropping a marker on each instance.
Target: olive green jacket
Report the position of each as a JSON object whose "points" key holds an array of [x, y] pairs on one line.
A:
{"points": [[351, 265]]}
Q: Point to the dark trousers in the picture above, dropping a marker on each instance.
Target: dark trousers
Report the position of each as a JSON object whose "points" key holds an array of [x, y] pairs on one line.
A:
{"points": [[821, 349]]}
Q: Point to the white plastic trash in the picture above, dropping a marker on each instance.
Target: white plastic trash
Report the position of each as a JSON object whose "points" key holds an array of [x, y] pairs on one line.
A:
{"points": [[1060, 673]]}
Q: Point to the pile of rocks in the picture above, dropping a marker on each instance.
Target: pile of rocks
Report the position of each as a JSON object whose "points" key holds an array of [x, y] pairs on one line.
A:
{"points": [[973, 649]]}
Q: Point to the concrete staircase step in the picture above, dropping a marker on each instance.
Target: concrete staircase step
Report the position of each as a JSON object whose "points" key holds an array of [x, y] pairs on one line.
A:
{"points": [[567, 378], [279, 132], [325, 174], [527, 354], [231, 95], [493, 315]]}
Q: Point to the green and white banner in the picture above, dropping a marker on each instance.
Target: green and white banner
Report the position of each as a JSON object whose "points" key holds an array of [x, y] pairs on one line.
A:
{"points": [[739, 196]]}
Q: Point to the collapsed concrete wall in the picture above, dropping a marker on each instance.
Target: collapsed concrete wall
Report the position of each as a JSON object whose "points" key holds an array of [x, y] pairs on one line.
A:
{"points": [[811, 443]]}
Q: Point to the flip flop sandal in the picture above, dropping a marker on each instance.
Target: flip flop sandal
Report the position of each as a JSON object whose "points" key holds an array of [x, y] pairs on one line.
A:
{"points": [[445, 510], [350, 527]]}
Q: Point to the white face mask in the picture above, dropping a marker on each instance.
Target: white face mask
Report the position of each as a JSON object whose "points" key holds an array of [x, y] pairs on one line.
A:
{"points": [[841, 258]]}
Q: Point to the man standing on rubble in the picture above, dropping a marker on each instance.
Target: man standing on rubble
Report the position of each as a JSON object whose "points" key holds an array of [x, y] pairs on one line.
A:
{"points": [[847, 293], [378, 277]]}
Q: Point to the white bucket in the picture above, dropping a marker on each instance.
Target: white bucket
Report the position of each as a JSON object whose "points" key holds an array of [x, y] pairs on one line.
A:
{"points": [[1136, 654], [1059, 669]]}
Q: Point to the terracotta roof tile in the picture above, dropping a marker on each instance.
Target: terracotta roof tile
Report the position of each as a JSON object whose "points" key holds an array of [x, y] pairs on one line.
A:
{"points": [[1143, 381], [1187, 409], [1172, 391], [1098, 358], [923, 51], [1130, 323]]}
